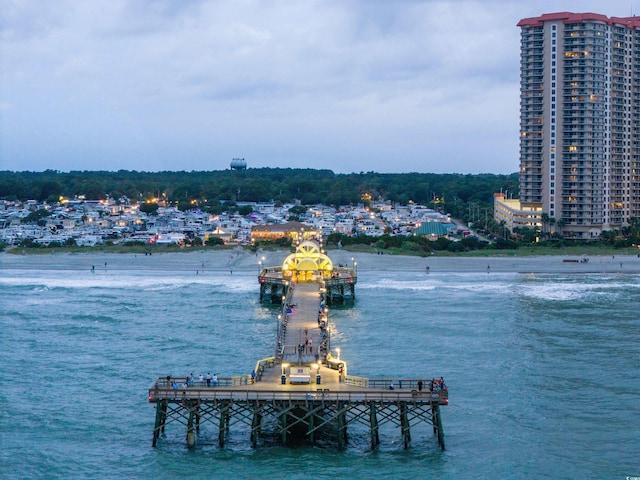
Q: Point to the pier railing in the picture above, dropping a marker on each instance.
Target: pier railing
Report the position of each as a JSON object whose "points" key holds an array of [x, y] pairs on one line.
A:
{"points": [[341, 275], [162, 383], [271, 274], [212, 394], [374, 390], [268, 362]]}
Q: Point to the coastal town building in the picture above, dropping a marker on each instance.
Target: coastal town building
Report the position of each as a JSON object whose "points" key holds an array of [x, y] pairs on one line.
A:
{"points": [[579, 123], [91, 223], [516, 215]]}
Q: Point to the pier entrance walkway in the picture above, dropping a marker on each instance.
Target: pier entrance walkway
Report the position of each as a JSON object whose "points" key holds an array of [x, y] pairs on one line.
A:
{"points": [[302, 326]]}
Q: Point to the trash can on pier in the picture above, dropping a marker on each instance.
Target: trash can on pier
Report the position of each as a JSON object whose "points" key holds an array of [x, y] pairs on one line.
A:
{"points": [[283, 379], [318, 379]]}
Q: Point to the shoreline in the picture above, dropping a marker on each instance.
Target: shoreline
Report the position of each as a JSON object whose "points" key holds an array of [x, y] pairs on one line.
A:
{"points": [[243, 262]]}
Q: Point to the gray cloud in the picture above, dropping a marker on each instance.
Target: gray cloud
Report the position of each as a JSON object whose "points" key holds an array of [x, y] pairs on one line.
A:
{"points": [[349, 85]]}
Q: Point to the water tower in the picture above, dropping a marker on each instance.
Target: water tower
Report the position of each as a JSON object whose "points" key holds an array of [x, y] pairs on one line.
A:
{"points": [[238, 164]]}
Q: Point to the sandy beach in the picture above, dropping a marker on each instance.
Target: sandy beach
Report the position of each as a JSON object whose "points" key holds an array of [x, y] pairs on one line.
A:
{"points": [[243, 262]]}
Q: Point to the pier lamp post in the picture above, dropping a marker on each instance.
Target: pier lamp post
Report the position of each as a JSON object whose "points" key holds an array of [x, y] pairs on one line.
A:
{"points": [[338, 353], [259, 267], [352, 262], [355, 268], [314, 368]]}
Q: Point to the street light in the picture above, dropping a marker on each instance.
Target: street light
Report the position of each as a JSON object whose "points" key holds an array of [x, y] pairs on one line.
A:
{"points": [[338, 353], [279, 329]]}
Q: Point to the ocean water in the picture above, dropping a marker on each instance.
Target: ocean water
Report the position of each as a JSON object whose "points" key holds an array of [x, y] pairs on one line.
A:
{"points": [[543, 368]]}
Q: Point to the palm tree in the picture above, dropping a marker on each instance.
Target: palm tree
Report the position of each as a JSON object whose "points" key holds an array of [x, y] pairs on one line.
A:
{"points": [[545, 223]]}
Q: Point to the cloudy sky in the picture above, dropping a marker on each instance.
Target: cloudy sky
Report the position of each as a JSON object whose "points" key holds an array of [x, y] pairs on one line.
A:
{"points": [[348, 85]]}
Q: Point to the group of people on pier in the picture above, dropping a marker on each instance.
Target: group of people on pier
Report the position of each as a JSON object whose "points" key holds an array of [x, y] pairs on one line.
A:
{"points": [[190, 380], [434, 385]]}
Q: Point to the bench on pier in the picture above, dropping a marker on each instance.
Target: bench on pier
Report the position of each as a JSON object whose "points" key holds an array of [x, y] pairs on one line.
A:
{"points": [[299, 375]]}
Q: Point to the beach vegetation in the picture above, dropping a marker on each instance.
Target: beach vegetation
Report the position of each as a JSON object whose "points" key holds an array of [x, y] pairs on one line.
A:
{"points": [[196, 242], [214, 241]]}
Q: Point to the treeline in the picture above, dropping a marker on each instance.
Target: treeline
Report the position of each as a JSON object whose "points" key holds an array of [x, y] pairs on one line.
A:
{"points": [[449, 191]]}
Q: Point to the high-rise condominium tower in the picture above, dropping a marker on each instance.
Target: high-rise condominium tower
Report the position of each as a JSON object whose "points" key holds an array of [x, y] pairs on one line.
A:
{"points": [[580, 121]]}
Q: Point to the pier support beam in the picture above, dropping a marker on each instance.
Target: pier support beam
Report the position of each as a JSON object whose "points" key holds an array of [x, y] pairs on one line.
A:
{"points": [[438, 417], [161, 418], [191, 435], [375, 430], [341, 420], [404, 423], [255, 428], [283, 426], [197, 415], [311, 427], [223, 425], [298, 420]]}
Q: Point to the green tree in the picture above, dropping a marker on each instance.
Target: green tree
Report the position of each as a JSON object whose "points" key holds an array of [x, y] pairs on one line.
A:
{"points": [[37, 217], [213, 241], [149, 208]]}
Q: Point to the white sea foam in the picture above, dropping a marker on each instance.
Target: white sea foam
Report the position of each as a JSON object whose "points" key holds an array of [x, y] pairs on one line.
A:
{"points": [[391, 284], [560, 291], [152, 282]]}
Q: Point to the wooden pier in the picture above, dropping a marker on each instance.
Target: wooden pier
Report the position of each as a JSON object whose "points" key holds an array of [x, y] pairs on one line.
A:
{"points": [[303, 393]]}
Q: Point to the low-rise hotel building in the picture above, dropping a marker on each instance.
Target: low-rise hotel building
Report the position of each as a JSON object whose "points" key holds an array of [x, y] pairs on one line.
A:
{"points": [[514, 214]]}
